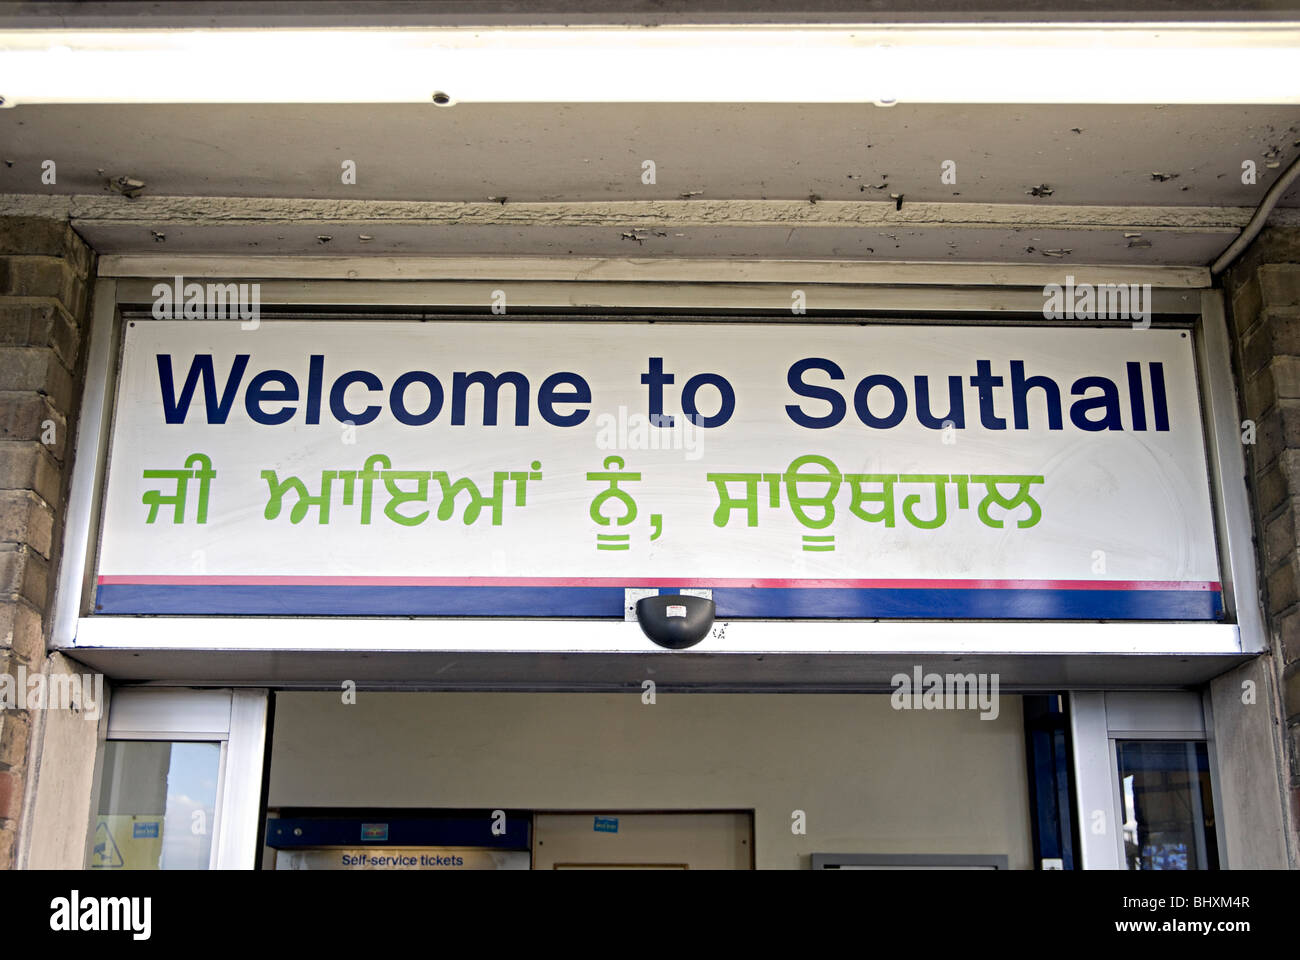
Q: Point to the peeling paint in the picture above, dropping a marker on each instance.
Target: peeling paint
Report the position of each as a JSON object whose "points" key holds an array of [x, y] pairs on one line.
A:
{"points": [[128, 187]]}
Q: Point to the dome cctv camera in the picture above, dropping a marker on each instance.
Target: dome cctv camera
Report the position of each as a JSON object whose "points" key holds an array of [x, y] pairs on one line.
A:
{"points": [[675, 621]]}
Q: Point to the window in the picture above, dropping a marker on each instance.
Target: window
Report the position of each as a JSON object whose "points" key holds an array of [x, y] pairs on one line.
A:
{"points": [[180, 780], [1167, 804], [157, 805]]}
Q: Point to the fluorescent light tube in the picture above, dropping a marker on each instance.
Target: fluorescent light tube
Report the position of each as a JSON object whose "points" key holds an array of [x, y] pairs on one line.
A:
{"points": [[1192, 64]]}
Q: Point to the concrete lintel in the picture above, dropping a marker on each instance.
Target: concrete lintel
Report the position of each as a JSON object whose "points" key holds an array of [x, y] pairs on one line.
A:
{"points": [[652, 213], [228, 211], [643, 270], [1140, 236]]}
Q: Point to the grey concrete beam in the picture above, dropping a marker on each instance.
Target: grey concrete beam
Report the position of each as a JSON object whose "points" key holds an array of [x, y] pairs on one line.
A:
{"points": [[688, 229], [834, 214]]}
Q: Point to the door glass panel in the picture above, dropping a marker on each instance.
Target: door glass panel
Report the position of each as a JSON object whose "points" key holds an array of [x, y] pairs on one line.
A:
{"points": [[157, 800], [1168, 805]]}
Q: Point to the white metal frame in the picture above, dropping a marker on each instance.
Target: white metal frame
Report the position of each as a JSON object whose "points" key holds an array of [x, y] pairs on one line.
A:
{"points": [[1228, 474], [504, 635], [87, 466], [896, 286], [1095, 809], [235, 719]]}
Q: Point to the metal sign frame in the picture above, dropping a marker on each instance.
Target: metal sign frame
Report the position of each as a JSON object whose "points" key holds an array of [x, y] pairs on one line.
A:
{"points": [[1036, 652]]}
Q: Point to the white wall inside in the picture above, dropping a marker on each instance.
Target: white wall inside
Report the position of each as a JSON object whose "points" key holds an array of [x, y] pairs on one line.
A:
{"points": [[870, 779]]}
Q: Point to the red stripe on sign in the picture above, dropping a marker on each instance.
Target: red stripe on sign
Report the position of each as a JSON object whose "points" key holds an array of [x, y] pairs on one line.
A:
{"points": [[742, 582]]}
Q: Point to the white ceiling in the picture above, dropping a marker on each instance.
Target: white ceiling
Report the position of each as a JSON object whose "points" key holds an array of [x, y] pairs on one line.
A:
{"points": [[1075, 183], [1107, 155]]}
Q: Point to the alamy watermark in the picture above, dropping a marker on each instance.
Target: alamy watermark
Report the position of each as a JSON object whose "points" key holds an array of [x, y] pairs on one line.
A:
{"points": [[80, 693], [75, 913], [1100, 301], [636, 431], [208, 301], [946, 691]]}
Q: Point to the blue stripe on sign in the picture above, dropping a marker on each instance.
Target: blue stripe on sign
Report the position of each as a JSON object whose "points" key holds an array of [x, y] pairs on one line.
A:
{"points": [[982, 604], [732, 602]]}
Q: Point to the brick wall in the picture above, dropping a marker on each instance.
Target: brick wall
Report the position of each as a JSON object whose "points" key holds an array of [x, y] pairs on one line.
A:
{"points": [[44, 294], [1263, 292]]}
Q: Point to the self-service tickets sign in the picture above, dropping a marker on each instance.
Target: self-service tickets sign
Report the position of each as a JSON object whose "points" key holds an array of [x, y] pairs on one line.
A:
{"points": [[534, 468]]}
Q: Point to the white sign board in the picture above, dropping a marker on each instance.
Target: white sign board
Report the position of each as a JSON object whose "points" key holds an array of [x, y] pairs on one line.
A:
{"points": [[534, 468]]}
